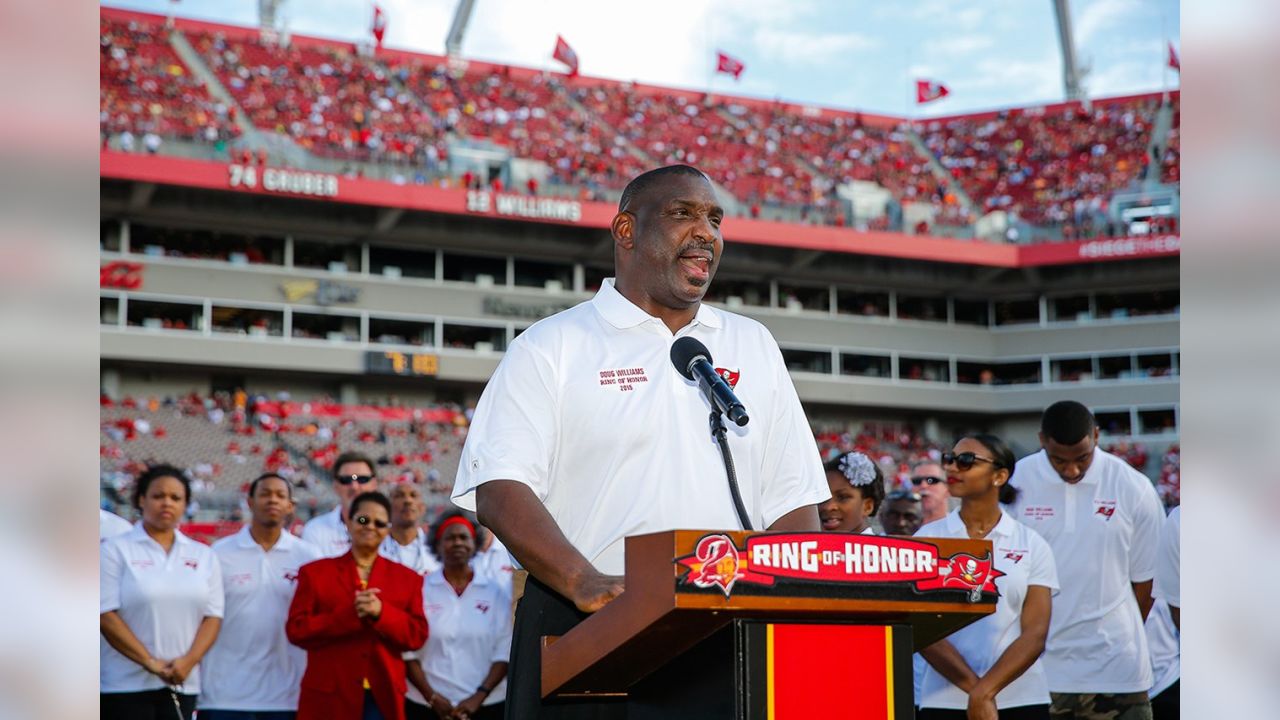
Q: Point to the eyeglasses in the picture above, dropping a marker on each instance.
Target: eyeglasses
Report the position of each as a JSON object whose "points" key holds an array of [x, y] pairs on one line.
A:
{"points": [[366, 520], [357, 479], [965, 460], [927, 480]]}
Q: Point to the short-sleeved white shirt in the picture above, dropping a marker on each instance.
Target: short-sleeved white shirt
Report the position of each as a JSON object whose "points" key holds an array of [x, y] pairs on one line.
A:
{"points": [[252, 666], [416, 556], [328, 534], [1167, 585], [162, 597], [496, 561], [1104, 531], [1025, 559], [111, 525], [588, 411], [1166, 647], [469, 633]]}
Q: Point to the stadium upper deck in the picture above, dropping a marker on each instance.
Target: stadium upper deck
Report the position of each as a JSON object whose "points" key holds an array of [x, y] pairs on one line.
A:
{"points": [[1047, 172]]}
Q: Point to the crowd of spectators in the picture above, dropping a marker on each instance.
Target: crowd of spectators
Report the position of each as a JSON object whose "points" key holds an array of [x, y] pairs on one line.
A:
{"points": [[1048, 166], [147, 94], [1057, 166]]}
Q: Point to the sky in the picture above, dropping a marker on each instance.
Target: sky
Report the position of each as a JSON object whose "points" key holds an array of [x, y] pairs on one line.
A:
{"points": [[850, 54]]}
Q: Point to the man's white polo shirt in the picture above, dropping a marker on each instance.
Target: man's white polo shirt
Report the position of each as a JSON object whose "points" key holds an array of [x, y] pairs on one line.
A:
{"points": [[416, 556], [328, 534], [1166, 647], [162, 597], [1167, 585], [111, 525], [588, 411], [469, 633], [1025, 559], [1103, 530], [252, 665]]}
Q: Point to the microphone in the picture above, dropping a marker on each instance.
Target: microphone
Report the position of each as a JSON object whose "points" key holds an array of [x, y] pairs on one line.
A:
{"points": [[693, 360]]}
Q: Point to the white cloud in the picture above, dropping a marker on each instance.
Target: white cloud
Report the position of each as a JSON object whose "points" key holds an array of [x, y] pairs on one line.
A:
{"points": [[801, 47], [1102, 15], [958, 44]]}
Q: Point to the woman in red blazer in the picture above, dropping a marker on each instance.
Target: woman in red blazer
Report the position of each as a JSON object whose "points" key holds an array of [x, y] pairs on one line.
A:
{"points": [[355, 615]]}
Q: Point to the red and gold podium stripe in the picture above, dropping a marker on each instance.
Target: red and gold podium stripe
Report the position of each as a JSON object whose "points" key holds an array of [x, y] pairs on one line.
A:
{"points": [[837, 671]]}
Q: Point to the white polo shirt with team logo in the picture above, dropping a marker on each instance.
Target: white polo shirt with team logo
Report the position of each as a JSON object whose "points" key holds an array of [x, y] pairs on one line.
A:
{"points": [[588, 411], [1025, 559], [162, 597], [469, 633], [328, 534], [1167, 585], [416, 556], [1104, 531], [252, 666]]}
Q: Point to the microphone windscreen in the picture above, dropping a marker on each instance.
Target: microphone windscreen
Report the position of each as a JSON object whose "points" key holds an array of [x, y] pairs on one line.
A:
{"points": [[684, 351]]}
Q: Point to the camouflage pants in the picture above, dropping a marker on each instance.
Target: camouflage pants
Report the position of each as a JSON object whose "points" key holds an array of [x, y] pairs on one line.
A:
{"points": [[1091, 706]]}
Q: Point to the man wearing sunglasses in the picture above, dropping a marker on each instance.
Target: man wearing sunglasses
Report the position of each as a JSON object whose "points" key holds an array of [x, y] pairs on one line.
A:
{"points": [[353, 474], [1102, 519], [930, 480]]}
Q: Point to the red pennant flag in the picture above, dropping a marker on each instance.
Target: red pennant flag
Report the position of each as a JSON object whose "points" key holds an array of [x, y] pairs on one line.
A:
{"points": [[379, 25], [566, 55], [1174, 62], [729, 65], [928, 91]]}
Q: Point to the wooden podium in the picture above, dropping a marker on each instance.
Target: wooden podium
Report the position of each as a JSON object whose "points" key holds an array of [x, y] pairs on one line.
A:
{"points": [[771, 626]]}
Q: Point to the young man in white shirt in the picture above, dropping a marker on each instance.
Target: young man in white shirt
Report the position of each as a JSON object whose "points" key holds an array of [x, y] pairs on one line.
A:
{"points": [[252, 672], [586, 434], [407, 542], [353, 473], [1164, 632], [1102, 518]]}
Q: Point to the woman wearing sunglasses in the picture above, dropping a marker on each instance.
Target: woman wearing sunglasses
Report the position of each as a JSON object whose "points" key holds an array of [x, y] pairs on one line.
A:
{"points": [[461, 670], [991, 669], [356, 615]]}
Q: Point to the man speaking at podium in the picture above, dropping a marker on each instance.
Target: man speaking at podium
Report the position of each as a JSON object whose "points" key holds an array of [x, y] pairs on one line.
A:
{"points": [[587, 433]]}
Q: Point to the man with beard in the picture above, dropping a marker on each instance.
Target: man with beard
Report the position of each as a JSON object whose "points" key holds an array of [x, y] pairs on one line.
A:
{"points": [[252, 670], [587, 434]]}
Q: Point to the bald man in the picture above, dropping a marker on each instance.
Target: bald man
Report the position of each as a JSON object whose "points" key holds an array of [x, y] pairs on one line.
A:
{"points": [[586, 415]]}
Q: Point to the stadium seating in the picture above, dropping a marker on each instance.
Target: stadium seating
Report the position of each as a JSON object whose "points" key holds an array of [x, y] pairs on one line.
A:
{"points": [[1047, 165], [145, 88], [1054, 166]]}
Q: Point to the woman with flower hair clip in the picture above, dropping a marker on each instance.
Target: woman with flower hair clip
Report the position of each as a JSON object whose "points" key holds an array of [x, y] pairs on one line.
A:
{"points": [[857, 489]]}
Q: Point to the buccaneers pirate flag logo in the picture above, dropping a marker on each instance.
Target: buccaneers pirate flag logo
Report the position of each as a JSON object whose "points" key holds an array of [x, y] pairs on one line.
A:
{"points": [[966, 572]]}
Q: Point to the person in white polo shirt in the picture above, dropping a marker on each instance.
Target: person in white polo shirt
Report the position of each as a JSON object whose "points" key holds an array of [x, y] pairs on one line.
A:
{"points": [[992, 669], [461, 671], [1164, 633], [252, 672], [111, 524], [586, 433], [353, 474], [161, 606], [407, 541], [1102, 518]]}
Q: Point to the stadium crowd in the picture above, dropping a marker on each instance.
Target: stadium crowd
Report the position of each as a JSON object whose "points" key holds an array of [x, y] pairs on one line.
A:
{"points": [[1051, 167]]}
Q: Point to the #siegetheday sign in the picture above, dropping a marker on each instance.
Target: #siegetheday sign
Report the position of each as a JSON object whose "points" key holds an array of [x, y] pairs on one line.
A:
{"points": [[837, 559]]}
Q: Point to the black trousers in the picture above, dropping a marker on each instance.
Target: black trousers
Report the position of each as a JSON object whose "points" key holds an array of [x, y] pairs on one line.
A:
{"points": [[145, 705], [1166, 705], [1023, 712], [542, 612]]}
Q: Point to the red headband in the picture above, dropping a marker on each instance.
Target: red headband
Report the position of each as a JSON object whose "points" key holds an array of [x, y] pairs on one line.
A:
{"points": [[455, 520]]}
